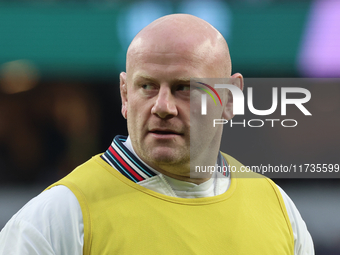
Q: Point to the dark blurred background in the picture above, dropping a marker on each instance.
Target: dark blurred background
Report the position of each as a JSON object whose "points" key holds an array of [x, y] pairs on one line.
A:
{"points": [[60, 102]]}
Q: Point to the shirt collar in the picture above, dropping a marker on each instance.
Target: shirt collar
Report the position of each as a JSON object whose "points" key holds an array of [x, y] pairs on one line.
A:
{"points": [[121, 156]]}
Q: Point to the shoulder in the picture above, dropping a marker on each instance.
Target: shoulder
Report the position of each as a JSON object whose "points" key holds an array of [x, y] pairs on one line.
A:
{"points": [[50, 221], [303, 243], [51, 205]]}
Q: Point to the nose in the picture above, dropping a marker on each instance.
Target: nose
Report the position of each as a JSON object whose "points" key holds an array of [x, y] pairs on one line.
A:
{"points": [[165, 106]]}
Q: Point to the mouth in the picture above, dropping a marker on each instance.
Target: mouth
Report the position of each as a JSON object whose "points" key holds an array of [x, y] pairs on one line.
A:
{"points": [[164, 133]]}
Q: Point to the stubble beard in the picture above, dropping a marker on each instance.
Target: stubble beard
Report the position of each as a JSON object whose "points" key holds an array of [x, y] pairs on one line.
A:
{"points": [[163, 155]]}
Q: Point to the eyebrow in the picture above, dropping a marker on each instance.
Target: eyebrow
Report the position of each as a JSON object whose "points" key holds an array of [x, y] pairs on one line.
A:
{"points": [[150, 78]]}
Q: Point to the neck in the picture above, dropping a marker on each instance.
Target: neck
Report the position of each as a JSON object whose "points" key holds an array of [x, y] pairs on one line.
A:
{"points": [[184, 177]]}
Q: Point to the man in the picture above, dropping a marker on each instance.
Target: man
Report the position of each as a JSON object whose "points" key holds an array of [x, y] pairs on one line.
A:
{"points": [[138, 197]]}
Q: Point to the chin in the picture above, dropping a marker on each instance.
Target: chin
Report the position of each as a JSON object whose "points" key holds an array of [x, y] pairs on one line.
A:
{"points": [[167, 156]]}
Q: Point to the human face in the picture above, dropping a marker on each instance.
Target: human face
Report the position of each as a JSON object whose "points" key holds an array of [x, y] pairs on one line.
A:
{"points": [[156, 102]]}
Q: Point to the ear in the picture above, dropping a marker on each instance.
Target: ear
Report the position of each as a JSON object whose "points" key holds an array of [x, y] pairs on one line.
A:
{"points": [[123, 93], [237, 79]]}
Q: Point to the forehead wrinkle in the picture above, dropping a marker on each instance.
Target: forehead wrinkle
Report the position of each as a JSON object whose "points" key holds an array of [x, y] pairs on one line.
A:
{"points": [[198, 49], [194, 57]]}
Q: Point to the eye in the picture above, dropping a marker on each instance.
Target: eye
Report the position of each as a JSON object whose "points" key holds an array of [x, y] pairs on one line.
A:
{"points": [[147, 86], [183, 88]]}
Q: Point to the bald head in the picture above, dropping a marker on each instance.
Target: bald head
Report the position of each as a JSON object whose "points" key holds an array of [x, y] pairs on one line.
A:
{"points": [[185, 35]]}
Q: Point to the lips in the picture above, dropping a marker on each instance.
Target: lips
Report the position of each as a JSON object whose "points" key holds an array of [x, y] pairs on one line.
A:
{"points": [[164, 132]]}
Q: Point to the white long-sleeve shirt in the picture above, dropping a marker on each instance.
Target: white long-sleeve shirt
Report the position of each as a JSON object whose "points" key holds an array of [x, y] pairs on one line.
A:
{"points": [[52, 222]]}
